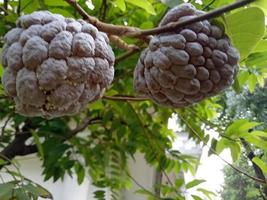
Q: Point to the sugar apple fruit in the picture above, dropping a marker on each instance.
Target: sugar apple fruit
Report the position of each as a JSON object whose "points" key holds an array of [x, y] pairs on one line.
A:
{"points": [[183, 67], [54, 66]]}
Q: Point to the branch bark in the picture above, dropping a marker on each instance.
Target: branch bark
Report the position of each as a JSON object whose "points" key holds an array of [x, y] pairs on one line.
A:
{"points": [[138, 33], [18, 147], [116, 40]]}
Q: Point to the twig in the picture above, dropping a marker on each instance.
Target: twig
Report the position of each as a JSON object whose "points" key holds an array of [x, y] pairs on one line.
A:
{"points": [[121, 44], [125, 98], [208, 5], [264, 182], [138, 33], [142, 187], [4, 126], [19, 7], [88, 121], [105, 27], [126, 55], [103, 10]]}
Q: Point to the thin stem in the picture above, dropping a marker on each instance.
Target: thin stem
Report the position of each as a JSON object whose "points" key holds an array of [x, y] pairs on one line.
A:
{"points": [[103, 10], [88, 121], [142, 187], [126, 55], [121, 44], [208, 5]]}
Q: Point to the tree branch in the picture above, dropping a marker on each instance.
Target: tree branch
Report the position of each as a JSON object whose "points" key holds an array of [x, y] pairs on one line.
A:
{"points": [[18, 147], [138, 33]]}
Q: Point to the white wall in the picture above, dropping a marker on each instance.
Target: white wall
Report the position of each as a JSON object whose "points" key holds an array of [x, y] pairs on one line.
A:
{"points": [[68, 189], [30, 167], [143, 174]]}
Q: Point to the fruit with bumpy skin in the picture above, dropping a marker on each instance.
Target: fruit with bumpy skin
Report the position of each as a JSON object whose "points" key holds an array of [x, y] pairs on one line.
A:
{"points": [[185, 66], [54, 66]]}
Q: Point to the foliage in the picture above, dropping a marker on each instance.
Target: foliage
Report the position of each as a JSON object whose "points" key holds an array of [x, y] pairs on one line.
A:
{"points": [[246, 106], [117, 129], [239, 187]]}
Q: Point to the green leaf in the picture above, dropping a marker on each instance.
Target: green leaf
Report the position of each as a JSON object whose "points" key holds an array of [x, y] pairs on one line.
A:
{"points": [[31, 189], [245, 39], [261, 164], [121, 4], [256, 141], [20, 194], [232, 129], [194, 183], [80, 172], [257, 59], [179, 182], [207, 193], [56, 3], [3, 162], [261, 80], [146, 5], [242, 77], [259, 133], [195, 197], [63, 12], [221, 145], [38, 144], [6, 190], [252, 81], [247, 126], [261, 4], [144, 192], [261, 46], [235, 150]]}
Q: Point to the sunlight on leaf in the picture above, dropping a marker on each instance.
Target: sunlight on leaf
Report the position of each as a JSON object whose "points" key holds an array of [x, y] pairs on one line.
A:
{"points": [[245, 28], [194, 183], [146, 5], [121, 4], [262, 165], [261, 4]]}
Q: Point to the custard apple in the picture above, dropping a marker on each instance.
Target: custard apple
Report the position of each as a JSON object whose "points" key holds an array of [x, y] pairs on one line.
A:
{"points": [[183, 67], [55, 66]]}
